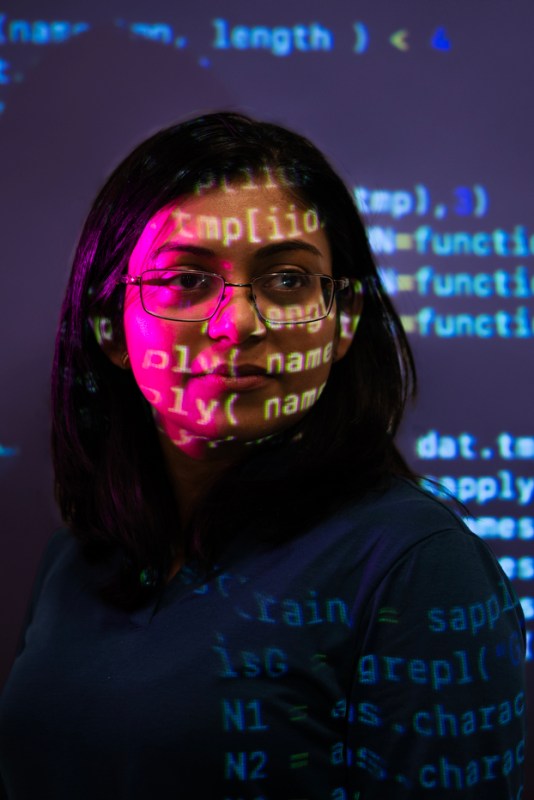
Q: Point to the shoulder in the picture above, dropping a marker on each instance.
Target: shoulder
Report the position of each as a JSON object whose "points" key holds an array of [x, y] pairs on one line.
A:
{"points": [[398, 517], [404, 503], [439, 645], [62, 556], [61, 545], [402, 529]]}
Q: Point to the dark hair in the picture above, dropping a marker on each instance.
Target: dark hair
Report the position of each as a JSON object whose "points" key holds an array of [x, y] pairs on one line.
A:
{"points": [[110, 479]]}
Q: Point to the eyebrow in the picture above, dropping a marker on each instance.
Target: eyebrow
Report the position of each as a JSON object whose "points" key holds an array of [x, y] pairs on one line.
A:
{"points": [[194, 250], [290, 245]]}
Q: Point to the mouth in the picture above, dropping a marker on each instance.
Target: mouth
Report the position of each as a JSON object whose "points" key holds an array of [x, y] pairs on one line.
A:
{"points": [[235, 377], [238, 370]]}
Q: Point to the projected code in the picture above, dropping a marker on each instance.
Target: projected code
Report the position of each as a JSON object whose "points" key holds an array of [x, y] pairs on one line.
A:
{"points": [[510, 485], [495, 285], [482, 485], [463, 201], [473, 647], [505, 320], [209, 38], [428, 241], [421, 227]]}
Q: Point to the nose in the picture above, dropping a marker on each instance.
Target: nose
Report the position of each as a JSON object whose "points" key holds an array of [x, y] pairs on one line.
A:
{"points": [[236, 318]]}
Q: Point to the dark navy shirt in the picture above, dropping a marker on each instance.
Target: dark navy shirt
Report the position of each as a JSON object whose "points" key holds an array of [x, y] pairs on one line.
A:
{"points": [[377, 657]]}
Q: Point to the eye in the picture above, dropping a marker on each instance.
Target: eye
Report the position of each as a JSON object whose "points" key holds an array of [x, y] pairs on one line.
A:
{"points": [[173, 293], [178, 280], [191, 281], [285, 282]]}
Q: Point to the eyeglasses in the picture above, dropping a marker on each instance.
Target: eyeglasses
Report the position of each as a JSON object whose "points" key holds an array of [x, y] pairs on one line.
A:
{"points": [[282, 298]]}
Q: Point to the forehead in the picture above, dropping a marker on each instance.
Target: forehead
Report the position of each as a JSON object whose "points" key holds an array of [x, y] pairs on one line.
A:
{"points": [[232, 220]]}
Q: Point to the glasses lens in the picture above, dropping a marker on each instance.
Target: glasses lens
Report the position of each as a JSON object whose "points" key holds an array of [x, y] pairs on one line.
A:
{"points": [[287, 297], [181, 294]]}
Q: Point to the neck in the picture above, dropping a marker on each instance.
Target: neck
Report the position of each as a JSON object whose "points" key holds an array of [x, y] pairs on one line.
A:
{"points": [[194, 469]]}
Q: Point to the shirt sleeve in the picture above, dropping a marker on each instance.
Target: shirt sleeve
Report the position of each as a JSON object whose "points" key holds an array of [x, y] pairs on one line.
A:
{"points": [[437, 707]]}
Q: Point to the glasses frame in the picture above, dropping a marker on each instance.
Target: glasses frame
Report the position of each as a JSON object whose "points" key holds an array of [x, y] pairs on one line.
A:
{"points": [[339, 284]]}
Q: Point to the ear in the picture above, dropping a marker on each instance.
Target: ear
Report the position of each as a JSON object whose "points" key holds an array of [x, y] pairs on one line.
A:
{"points": [[112, 345], [349, 309]]}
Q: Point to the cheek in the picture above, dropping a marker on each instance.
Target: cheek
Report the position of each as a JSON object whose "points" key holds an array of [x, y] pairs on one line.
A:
{"points": [[158, 357], [301, 349], [303, 356], [163, 354]]}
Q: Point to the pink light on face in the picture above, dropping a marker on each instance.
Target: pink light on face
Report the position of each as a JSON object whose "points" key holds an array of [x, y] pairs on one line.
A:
{"points": [[211, 380]]}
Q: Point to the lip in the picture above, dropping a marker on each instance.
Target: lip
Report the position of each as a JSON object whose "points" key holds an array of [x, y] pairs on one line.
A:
{"points": [[232, 370], [237, 377], [239, 370], [235, 383]]}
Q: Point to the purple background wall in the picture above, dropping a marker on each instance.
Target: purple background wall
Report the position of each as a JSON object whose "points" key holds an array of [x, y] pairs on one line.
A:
{"points": [[426, 107]]}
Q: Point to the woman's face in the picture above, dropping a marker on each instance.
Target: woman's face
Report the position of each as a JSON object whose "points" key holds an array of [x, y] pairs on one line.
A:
{"points": [[233, 377]]}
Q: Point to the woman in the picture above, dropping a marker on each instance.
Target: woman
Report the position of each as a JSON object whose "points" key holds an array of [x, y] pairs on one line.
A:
{"points": [[254, 598]]}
